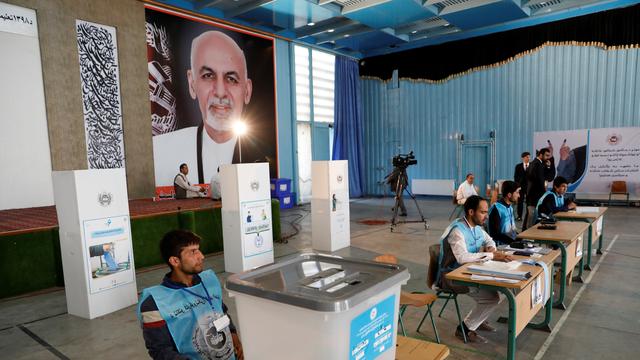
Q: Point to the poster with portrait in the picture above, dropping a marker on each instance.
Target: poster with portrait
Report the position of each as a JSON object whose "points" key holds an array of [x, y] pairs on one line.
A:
{"points": [[591, 159], [204, 79]]}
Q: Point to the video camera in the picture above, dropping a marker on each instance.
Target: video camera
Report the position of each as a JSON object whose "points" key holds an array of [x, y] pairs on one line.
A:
{"points": [[404, 160]]}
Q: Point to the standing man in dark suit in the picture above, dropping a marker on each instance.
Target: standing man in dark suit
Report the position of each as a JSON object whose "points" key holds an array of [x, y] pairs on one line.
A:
{"points": [[540, 170], [520, 178]]}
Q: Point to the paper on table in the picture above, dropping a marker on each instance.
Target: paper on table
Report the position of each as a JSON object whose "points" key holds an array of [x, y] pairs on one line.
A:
{"points": [[499, 265], [587, 209], [493, 278]]}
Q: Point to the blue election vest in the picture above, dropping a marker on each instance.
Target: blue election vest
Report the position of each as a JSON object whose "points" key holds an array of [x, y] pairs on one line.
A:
{"points": [[190, 313], [474, 239], [507, 220], [559, 202]]}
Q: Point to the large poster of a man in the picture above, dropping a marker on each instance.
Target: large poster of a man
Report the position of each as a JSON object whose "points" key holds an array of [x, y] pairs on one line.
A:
{"points": [[204, 78]]}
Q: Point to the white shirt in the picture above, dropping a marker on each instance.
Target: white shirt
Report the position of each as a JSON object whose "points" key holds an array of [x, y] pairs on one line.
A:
{"points": [[459, 246], [177, 147], [192, 191], [465, 190]]}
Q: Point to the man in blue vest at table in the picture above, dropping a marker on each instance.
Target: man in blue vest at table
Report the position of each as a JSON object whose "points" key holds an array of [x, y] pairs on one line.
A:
{"points": [[553, 201], [184, 317], [465, 241], [502, 222]]}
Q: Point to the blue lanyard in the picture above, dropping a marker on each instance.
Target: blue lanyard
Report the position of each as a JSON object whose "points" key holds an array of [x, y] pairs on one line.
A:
{"points": [[208, 299]]}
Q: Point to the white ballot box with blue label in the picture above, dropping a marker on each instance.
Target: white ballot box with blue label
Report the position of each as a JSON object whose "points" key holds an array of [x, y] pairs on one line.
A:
{"points": [[319, 307], [330, 230], [95, 241], [246, 216]]}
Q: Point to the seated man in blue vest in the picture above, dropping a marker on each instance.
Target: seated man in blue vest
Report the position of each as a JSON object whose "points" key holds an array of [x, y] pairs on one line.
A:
{"points": [[502, 222], [465, 241], [553, 201], [184, 317]]}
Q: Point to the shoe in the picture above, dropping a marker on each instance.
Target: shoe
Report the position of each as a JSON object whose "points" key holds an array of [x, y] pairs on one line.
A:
{"points": [[519, 219], [472, 337], [486, 327], [403, 214]]}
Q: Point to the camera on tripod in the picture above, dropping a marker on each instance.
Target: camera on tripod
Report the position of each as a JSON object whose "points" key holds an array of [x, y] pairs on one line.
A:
{"points": [[404, 160]]}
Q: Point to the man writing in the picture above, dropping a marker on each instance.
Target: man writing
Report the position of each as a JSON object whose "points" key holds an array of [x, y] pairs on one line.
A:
{"points": [[553, 201], [183, 188], [219, 82], [184, 317], [462, 242], [502, 223], [466, 189], [519, 176], [540, 170]]}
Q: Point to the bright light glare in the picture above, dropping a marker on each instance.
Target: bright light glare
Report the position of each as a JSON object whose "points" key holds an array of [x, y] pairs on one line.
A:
{"points": [[240, 128]]}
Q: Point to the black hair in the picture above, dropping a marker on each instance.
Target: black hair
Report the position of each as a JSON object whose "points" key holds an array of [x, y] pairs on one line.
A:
{"points": [[469, 174], [509, 187], [472, 203], [182, 165], [174, 241], [526, 153], [557, 182], [543, 151]]}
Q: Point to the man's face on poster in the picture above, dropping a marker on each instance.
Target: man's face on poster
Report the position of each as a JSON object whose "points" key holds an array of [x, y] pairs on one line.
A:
{"points": [[218, 81]]}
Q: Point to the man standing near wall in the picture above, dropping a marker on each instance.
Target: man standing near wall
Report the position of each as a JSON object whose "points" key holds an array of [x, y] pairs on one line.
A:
{"points": [[541, 170], [519, 176]]}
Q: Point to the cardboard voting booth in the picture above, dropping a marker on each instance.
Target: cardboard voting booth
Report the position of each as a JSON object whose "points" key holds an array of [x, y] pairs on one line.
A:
{"points": [[330, 205], [246, 216], [95, 241]]}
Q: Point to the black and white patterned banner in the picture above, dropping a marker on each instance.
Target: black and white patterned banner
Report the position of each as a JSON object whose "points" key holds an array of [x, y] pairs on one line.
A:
{"points": [[100, 81]]}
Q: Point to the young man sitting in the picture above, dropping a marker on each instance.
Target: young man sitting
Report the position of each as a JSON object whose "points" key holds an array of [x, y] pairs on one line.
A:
{"points": [[553, 201], [184, 317], [465, 241], [502, 222]]}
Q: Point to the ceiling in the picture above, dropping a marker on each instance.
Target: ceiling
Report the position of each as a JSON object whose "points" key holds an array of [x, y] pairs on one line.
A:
{"points": [[363, 28]]}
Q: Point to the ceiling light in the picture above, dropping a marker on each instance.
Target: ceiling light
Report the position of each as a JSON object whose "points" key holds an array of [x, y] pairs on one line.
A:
{"points": [[447, 24], [311, 24], [346, 35], [331, 30], [414, 31]]}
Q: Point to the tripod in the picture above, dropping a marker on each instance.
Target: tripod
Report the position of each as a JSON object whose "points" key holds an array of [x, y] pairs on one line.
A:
{"points": [[401, 181]]}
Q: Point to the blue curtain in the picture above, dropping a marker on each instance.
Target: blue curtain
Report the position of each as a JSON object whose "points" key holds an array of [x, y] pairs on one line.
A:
{"points": [[348, 132]]}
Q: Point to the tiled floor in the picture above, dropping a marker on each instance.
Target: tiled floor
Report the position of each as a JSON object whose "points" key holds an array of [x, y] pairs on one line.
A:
{"points": [[603, 324]]}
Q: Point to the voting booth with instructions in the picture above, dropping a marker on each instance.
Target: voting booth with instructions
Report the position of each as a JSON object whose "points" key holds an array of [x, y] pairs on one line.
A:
{"points": [[322, 306], [246, 216], [95, 241], [330, 205]]}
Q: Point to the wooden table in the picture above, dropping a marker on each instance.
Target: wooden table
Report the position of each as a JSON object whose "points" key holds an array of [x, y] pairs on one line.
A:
{"points": [[595, 233], [568, 236], [414, 349], [518, 295]]}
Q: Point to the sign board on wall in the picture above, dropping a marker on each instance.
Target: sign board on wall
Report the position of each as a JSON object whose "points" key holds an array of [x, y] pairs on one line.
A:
{"points": [[590, 159]]}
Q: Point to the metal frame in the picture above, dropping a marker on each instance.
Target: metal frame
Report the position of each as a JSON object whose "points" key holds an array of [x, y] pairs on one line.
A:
{"points": [[559, 304], [587, 266], [490, 143], [511, 336]]}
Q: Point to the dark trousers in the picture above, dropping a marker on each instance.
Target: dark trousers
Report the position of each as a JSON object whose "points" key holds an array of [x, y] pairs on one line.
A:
{"points": [[521, 202]]}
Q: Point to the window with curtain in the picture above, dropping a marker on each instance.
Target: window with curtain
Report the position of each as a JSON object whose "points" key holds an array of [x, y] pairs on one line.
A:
{"points": [[314, 99]]}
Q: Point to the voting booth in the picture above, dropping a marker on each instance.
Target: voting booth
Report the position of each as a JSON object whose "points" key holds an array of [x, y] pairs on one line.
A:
{"points": [[330, 205], [95, 241], [246, 216]]}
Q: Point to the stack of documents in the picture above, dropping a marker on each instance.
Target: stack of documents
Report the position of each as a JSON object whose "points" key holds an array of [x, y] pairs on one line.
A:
{"points": [[587, 209], [506, 270]]}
